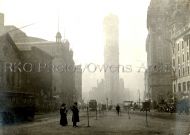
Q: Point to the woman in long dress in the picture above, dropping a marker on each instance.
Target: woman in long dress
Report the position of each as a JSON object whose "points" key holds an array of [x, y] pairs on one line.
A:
{"points": [[63, 113]]}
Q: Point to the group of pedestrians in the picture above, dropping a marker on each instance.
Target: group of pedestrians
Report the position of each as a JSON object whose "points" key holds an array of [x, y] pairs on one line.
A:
{"points": [[75, 114]]}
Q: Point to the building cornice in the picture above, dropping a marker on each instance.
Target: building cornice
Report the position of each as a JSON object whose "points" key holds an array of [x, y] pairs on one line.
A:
{"points": [[181, 32]]}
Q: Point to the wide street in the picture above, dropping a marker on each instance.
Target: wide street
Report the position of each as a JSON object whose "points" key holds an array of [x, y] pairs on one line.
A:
{"points": [[106, 124]]}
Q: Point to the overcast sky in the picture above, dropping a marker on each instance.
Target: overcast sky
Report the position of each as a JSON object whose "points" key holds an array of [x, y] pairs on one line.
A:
{"points": [[81, 21]]}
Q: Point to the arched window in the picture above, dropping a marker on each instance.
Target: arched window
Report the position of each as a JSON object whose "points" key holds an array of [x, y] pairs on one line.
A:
{"points": [[179, 87], [184, 86], [188, 86]]}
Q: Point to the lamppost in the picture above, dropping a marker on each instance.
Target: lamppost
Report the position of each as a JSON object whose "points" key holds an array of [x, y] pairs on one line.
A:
{"points": [[139, 97], [174, 79], [107, 102]]}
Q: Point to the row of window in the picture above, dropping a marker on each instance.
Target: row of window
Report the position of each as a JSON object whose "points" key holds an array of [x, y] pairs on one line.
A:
{"points": [[182, 45], [183, 59], [185, 86], [183, 72]]}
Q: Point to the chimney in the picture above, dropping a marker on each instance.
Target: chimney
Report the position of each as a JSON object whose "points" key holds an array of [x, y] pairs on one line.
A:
{"points": [[1, 19]]}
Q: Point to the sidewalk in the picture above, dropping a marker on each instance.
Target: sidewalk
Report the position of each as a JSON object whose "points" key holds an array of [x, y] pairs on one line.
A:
{"points": [[164, 115]]}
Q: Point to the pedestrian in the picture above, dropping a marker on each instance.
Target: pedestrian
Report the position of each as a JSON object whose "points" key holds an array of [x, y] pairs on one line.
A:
{"points": [[63, 113], [118, 109], [75, 116]]}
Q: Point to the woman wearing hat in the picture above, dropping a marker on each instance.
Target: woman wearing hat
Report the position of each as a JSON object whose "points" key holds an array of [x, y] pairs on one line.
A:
{"points": [[63, 113]]}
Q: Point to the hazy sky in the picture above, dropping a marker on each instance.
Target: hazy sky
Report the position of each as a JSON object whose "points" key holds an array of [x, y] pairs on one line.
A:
{"points": [[81, 21]]}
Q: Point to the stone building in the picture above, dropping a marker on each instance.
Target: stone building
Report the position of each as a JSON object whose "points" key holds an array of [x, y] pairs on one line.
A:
{"points": [[62, 67], [168, 41], [19, 74], [180, 62], [158, 49], [35, 81], [9, 53], [56, 58], [180, 40]]}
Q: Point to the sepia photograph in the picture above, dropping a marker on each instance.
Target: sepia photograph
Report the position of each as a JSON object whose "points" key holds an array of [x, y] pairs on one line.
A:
{"points": [[94, 67]]}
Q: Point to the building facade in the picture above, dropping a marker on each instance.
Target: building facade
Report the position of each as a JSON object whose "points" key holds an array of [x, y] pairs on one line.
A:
{"points": [[180, 37], [19, 73], [78, 83], [181, 64], [9, 54], [111, 57], [37, 82], [168, 26], [159, 57], [62, 68], [53, 75]]}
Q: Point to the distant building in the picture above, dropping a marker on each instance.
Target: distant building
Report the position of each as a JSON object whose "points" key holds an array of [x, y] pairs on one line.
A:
{"points": [[78, 83], [92, 93], [1, 19], [122, 91], [98, 92], [127, 95], [111, 58]]}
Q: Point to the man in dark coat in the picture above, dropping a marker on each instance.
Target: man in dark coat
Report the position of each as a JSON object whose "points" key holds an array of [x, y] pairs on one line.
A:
{"points": [[118, 109], [63, 113], [75, 117]]}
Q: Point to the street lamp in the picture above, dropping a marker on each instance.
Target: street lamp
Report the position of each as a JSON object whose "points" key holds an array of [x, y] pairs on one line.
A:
{"points": [[107, 102], [139, 97], [174, 80]]}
